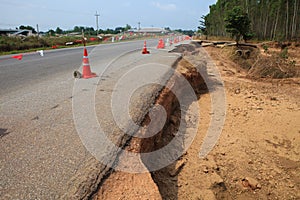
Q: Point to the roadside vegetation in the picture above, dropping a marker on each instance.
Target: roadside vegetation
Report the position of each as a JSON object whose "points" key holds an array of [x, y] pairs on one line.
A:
{"points": [[52, 39], [59, 38], [271, 28], [277, 20], [10, 45]]}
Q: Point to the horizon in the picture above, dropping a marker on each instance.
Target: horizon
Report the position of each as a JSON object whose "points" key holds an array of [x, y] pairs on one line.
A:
{"points": [[72, 29]]}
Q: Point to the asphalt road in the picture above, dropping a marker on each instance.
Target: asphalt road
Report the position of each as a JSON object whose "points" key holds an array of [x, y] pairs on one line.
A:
{"points": [[33, 68], [15, 74], [40, 147]]}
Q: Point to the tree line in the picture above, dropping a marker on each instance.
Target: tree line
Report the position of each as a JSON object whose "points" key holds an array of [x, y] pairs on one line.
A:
{"points": [[79, 29], [92, 32], [269, 19]]}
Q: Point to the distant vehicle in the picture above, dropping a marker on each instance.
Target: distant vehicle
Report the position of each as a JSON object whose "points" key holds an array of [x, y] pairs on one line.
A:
{"points": [[69, 43]]}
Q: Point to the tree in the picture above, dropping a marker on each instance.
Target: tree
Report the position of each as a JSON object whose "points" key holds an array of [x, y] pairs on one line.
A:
{"points": [[119, 30], [185, 32], [51, 32], [90, 31], [127, 27], [294, 25], [270, 19], [202, 28], [122, 29], [22, 27], [59, 30], [237, 24], [78, 29]]}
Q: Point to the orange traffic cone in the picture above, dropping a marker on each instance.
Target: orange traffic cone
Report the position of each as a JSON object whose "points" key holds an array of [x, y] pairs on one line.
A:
{"points": [[176, 40], [161, 44], [145, 51], [19, 57], [86, 69]]}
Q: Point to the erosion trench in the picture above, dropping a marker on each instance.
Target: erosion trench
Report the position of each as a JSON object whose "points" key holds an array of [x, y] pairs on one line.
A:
{"points": [[162, 183]]}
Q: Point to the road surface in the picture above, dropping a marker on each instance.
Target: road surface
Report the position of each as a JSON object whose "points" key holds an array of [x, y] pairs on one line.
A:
{"points": [[40, 147]]}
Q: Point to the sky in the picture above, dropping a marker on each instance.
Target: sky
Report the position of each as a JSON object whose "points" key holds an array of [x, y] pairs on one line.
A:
{"points": [[50, 14]]}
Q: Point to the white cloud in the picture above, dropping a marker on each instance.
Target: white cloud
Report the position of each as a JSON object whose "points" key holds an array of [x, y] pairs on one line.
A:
{"points": [[166, 7]]}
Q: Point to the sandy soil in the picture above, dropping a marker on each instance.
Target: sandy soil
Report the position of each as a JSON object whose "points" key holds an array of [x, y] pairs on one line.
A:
{"points": [[257, 155]]}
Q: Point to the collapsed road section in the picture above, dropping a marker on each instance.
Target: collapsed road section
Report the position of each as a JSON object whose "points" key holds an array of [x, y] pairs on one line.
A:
{"points": [[151, 185], [120, 176]]}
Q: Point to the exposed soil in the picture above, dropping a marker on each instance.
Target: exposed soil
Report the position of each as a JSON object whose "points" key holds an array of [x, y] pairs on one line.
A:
{"points": [[260, 139], [256, 157]]}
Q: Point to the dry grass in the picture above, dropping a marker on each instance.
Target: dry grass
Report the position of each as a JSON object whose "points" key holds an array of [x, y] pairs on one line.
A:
{"points": [[268, 61]]}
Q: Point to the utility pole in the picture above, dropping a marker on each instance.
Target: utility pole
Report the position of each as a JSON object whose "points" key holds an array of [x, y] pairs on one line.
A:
{"points": [[37, 30], [139, 23], [97, 21]]}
